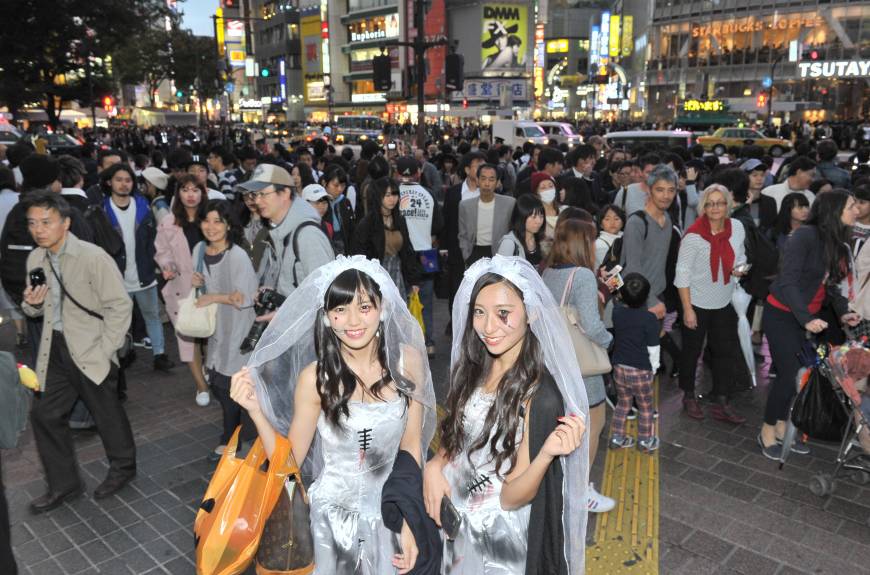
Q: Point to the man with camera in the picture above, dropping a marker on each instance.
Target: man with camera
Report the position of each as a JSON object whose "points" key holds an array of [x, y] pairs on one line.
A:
{"points": [[78, 291], [297, 245]]}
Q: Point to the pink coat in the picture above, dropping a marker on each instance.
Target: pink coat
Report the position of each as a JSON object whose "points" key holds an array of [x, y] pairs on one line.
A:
{"points": [[172, 252]]}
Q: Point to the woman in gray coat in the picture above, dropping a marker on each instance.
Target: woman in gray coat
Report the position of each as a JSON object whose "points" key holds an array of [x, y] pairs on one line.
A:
{"points": [[571, 259], [229, 280]]}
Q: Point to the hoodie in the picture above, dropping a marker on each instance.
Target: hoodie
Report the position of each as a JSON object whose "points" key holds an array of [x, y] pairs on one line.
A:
{"points": [[314, 246]]}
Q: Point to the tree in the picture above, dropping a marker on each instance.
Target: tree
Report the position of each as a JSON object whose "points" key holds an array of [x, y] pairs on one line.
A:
{"points": [[196, 64], [146, 59], [46, 55]]}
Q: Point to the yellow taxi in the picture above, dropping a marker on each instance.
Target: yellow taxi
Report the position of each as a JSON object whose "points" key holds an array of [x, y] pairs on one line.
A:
{"points": [[724, 138]]}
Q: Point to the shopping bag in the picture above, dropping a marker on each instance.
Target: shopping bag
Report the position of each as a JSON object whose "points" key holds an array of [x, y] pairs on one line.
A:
{"points": [[817, 410], [287, 547], [416, 309], [239, 499]]}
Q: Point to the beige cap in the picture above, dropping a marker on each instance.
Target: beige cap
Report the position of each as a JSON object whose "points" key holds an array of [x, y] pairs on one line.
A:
{"points": [[266, 175], [156, 176]]}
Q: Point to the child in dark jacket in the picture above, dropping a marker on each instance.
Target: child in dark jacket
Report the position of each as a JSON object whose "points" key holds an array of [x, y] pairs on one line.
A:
{"points": [[635, 361]]}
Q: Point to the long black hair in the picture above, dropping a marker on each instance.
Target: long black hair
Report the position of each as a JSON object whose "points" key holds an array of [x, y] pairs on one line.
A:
{"points": [[336, 382], [826, 215], [527, 205], [377, 191], [517, 385], [782, 226], [306, 176], [227, 215]]}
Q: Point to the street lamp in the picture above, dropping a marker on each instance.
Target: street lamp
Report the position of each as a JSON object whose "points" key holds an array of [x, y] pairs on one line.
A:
{"points": [[770, 95]]}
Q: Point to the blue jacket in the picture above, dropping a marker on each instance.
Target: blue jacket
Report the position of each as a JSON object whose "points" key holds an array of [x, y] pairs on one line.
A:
{"points": [[838, 177], [146, 232]]}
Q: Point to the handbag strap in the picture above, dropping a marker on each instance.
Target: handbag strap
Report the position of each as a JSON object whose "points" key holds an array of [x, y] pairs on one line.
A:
{"points": [[69, 295], [200, 260], [567, 289]]}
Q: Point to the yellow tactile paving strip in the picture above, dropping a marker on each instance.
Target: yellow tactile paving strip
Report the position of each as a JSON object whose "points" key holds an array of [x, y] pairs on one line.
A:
{"points": [[627, 538]]}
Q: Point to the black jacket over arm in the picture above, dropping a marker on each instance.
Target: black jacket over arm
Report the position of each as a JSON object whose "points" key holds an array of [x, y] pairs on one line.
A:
{"points": [[546, 539], [370, 241], [402, 498], [801, 273]]}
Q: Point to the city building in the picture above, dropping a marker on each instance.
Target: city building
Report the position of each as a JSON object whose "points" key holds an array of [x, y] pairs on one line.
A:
{"points": [[277, 60], [804, 54], [497, 41]]}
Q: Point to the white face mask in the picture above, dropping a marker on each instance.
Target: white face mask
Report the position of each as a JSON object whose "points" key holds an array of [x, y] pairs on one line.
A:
{"points": [[547, 196]]}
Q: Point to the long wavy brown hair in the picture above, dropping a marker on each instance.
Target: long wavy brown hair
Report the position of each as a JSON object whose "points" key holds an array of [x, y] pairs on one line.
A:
{"points": [[470, 372]]}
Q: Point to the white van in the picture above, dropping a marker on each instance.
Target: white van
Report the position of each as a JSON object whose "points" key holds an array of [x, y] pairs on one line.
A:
{"points": [[562, 132], [515, 133]]}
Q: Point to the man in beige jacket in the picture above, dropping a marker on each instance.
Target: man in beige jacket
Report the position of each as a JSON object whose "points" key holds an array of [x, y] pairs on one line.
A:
{"points": [[85, 316]]}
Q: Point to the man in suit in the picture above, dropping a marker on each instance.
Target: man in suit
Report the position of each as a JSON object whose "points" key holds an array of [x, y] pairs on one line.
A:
{"points": [[470, 162], [484, 220]]}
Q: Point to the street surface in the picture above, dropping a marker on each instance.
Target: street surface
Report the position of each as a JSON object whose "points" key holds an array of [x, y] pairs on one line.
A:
{"points": [[725, 509]]}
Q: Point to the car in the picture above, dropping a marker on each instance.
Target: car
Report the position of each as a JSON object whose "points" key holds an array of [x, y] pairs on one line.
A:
{"points": [[666, 138], [9, 134], [724, 138], [57, 143], [562, 132]]}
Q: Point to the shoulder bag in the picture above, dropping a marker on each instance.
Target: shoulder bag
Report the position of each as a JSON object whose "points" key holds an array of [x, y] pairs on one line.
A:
{"points": [[126, 350], [196, 322], [593, 358]]}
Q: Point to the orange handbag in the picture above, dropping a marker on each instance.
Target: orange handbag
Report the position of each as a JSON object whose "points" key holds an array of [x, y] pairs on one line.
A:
{"points": [[236, 505]]}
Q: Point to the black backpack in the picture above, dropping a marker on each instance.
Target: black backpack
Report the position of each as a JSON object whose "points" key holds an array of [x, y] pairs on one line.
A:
{"points": [[294, 237], [761, 252], [104, 235], [16, 244]]}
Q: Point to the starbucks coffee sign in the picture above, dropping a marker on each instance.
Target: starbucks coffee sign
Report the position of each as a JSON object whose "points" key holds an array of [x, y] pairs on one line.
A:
{"points": [[838, 69]]}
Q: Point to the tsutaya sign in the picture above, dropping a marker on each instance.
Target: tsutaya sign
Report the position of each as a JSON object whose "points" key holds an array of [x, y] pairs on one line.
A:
{"points": [[839, 69]]}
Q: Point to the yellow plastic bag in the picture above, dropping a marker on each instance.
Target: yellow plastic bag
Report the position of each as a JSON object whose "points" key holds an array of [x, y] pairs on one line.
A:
{"points": [[416, 309], [236, 505]]}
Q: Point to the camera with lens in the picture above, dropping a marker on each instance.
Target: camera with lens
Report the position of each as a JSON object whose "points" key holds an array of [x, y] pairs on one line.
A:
{"points": [[269, 301]]}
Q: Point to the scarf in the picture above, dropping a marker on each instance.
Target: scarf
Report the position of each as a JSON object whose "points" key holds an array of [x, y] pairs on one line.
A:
{"points": [[720, 247]]}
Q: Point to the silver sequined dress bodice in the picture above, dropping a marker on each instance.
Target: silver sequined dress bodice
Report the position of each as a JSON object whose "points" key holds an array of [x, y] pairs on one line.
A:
{"points": [[491, 541], [349, 535]]}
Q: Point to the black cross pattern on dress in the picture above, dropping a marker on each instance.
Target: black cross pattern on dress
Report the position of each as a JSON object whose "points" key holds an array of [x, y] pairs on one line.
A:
{"points": [[365, 438], [477, 485]]}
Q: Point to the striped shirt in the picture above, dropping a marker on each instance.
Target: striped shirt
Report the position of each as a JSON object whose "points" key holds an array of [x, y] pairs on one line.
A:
{"points": [[693, 269]]}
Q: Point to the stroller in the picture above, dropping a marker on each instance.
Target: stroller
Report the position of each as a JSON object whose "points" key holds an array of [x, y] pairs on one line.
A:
{"points": [[843, 367]]}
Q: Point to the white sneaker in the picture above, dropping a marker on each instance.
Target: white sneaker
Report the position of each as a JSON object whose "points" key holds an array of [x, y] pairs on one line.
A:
{"points": [[202, 398], [597, 503]]}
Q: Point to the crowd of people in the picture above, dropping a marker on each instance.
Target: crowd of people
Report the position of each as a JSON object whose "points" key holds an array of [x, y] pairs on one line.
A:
{"points": [[304, 255]]}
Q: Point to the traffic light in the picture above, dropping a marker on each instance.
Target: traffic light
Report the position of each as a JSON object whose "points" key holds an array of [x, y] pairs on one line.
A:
{"points": [[229, 3], [265, 72], [761, 100], [465, 102], [812, 54], [454, 72], [382, 73], [108, 103], [179, 94]]}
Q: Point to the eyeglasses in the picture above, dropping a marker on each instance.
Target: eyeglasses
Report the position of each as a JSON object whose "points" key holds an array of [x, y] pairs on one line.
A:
{"points": [[716, 204], [259, 195]]}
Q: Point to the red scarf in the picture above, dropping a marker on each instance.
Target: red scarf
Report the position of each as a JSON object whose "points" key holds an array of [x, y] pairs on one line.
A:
{"points": [[720, 247]]}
